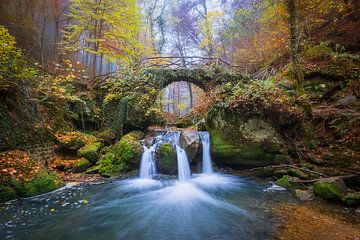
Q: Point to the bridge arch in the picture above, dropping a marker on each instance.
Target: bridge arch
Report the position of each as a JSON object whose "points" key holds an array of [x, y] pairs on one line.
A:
{"points": [[204, 72]]}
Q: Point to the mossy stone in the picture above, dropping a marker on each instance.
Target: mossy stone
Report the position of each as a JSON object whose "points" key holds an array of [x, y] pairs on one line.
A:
{"points": [[81, 165], [166, 159], [109, 166], [129, 149], [42, 183], [73, 141], [244, 143], [7, 193], [285, 182], [352, 199], [90, 151], [331, 188]]}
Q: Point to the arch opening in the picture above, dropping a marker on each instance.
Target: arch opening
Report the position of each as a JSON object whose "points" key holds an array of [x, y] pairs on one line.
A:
{"points": [[177, 99]]}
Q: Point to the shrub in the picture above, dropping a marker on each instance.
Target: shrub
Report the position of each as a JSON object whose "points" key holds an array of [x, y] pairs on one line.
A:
{"points": [[13, 67]]}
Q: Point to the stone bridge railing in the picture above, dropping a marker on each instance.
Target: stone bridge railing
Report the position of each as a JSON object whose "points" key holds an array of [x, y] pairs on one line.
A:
{"points": [[193, 62]]}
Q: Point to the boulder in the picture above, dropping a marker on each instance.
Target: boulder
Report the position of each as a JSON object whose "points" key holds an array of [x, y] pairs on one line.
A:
{"points": [[191, 142], [330, 188], [81, 165], [129, 149], [90, 151], [73, 141], [166, 159], [243, 143]]}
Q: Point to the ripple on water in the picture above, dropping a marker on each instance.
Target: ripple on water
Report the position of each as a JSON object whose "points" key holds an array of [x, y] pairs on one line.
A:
{"points": [[143, 209]]}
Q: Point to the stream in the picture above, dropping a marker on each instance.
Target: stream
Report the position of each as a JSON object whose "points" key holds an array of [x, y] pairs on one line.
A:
{"points": [[194, 206]]}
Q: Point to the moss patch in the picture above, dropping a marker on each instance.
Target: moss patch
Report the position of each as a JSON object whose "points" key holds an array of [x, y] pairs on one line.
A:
{"points": [[81, 165], [330, 189], [90, 151], [129, 149], [166, 158], [352, 199], [73, 141], [285, 182]]}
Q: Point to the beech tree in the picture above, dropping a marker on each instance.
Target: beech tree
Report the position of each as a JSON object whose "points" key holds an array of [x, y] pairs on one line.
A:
{"points": [[101, 29]]}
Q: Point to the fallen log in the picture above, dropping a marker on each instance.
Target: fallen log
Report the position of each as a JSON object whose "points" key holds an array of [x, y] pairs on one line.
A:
{"points": [[286, 166], [319, 179]]}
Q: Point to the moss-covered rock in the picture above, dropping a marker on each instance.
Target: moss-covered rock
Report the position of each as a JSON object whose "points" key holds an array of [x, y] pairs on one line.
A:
{"points": [[73, 141], [23, 177], [7, 193], [90, 151], [330, 188], [81, 165], [244, 143], [107, 136], [42, 183], [166, 159], [285, 182], [110, 166], [352, 199], [129, 149]]}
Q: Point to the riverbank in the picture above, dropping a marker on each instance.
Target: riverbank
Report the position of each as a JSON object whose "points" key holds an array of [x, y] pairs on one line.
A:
{"points": [[317, 221]]}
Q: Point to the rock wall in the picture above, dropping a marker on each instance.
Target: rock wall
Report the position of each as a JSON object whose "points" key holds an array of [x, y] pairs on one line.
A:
{"points": [[42, 153]]}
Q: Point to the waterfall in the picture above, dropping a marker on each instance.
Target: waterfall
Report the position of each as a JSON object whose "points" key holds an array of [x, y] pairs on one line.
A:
{"points": [[182, 160], [148, 159], [147, 167], [206, 157]]}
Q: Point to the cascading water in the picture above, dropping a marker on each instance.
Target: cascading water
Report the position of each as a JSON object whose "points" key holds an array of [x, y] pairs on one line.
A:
{"points": [[148, 161], [206, 161], [147, 166], [182, 160]]}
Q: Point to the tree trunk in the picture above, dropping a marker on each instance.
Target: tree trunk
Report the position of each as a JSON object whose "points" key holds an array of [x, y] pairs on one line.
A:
{"points": [[190, 95], [294, 43]]}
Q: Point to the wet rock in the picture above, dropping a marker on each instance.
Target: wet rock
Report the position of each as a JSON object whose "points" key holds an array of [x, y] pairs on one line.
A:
{"points": [[330, 188], [166, 159], [352, 199], [285, 181], [191, 142]]}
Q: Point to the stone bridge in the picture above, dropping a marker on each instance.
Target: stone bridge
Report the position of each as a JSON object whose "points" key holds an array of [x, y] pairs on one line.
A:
{"points": [[202, 71]]}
